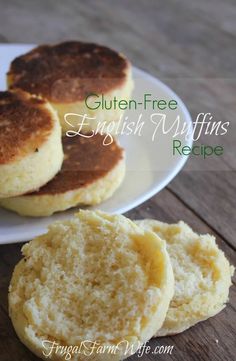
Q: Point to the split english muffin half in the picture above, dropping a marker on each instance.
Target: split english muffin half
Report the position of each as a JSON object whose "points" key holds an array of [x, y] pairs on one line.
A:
{"points": [[66, 73], [30, 143], [96, 277], [202, 275]]}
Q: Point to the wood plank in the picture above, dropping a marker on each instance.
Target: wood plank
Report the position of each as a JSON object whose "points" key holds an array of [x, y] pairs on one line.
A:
{"points": [[212, 196], [155, 28]]}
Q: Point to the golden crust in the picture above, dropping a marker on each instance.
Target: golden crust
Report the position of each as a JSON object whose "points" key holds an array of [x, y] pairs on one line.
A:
{"points": [[85, 161], [69, 71], [25, 124]]}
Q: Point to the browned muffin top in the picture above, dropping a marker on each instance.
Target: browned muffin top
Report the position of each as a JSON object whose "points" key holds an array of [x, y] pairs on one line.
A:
{"points": [[69, 71], [85, 161], [25, 124]]}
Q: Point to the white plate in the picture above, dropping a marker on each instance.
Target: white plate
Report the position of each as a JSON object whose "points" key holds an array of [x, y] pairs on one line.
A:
{"points": [[150, 164]]}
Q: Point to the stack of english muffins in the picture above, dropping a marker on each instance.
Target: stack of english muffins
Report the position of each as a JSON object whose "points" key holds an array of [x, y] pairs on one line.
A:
{"points": [[43, 170]]}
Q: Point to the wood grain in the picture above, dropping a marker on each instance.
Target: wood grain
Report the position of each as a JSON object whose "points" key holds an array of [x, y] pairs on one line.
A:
{"points": [[212, 195], [191, 46]]}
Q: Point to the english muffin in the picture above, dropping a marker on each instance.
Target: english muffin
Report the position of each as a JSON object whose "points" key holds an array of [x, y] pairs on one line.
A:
{"points": [[202, 275], [95, 278], [67, 73], [91, 172], [30, 143]]}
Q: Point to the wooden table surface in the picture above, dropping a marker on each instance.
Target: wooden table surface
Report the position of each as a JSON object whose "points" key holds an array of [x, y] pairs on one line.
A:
{"points": [[191, 45]]}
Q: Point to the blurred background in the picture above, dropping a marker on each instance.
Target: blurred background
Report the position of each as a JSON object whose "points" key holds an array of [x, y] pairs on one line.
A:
{"points": [[169, 38]]}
